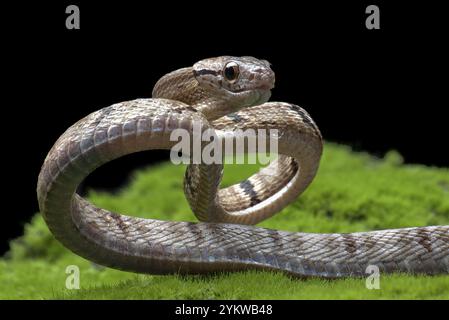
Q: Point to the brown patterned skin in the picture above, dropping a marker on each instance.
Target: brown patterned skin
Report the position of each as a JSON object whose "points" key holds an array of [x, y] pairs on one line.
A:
{"points": [[225, 242]]}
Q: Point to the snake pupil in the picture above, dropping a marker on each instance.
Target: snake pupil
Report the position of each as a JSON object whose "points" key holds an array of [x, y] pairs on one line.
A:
{"points": [[231, 71]]}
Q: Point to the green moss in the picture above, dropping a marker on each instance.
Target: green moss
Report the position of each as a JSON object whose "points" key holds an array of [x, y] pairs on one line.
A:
{"points": [[352, 192]]}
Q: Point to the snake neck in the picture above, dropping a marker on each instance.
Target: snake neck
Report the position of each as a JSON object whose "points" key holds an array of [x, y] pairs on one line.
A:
{"points": [[181, 85]]}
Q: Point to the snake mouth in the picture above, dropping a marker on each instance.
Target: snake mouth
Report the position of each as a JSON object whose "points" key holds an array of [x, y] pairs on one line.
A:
{"points": [[266, 86], [260, 88]]}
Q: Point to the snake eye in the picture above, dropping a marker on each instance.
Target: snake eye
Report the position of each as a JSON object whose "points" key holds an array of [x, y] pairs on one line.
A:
{"points": [[231, 71]]}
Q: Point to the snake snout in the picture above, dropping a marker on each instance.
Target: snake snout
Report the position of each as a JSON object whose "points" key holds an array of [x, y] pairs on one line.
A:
{"points": [[270, 80]]}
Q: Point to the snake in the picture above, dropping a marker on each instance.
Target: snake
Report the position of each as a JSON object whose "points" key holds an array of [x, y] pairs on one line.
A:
{"points": [[224, 94]]}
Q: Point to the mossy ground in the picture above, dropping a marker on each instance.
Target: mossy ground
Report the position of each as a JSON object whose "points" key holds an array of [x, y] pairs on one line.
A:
{"points": [[352, 192]]}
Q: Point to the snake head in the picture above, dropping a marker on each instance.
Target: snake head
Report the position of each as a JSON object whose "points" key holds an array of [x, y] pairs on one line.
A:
{"points": [[247, 81]]}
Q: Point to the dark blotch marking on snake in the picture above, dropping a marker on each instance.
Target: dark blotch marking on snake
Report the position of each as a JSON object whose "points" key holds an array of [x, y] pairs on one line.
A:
{"points": [[204, 72], [248, 188], [120, 223], [304, 116], [181, 109], [235, 117], [190, 108], [196, 231], [294, 165], [301, 112], [277, 238], [425, 239], [270, 123], [350, 243]]}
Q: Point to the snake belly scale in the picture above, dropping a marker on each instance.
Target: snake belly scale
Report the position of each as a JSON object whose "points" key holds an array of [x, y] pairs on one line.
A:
{"points": [[224, 94]]}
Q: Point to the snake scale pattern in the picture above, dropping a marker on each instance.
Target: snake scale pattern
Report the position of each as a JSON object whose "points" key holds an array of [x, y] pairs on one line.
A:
{"points": [[224, 93]]}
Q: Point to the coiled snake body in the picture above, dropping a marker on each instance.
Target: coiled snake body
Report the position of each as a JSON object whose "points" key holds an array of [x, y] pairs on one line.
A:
{"points": [[224, 93]]}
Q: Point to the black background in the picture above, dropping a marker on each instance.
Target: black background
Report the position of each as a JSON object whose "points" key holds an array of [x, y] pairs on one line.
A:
{"points": [[375, 90]]}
